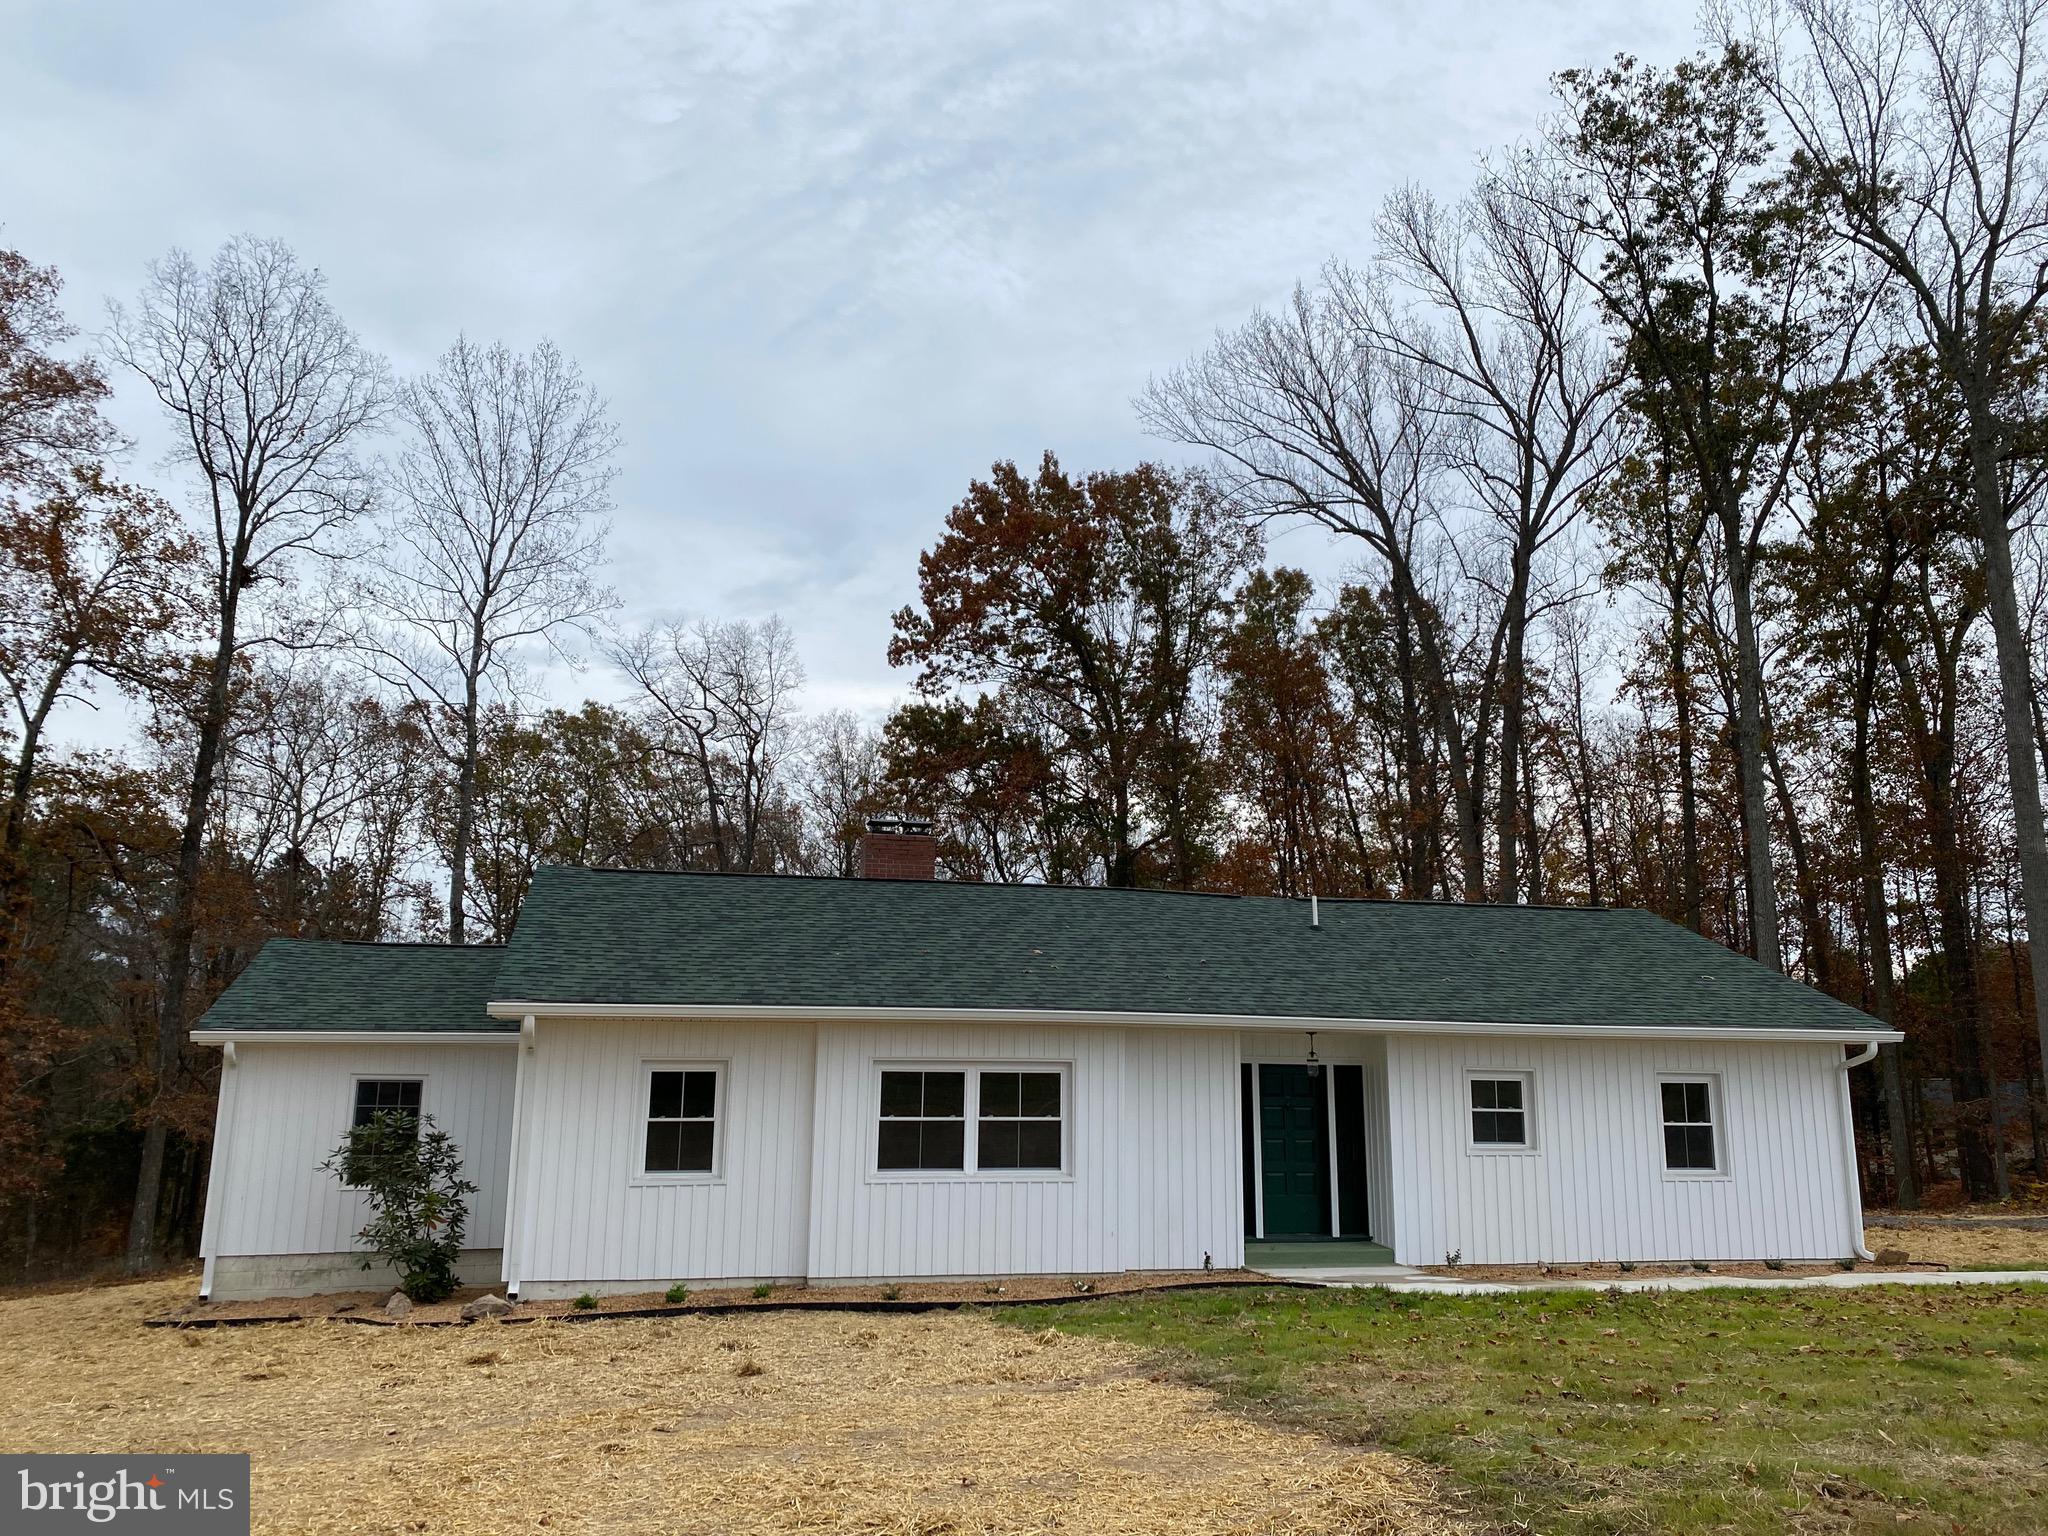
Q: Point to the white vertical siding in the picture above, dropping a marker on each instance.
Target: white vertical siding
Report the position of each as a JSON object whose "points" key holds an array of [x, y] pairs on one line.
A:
{"points": [[1151, 1181], [1383, 1216], [290, 1105], [1183, 1186], [587, 1215], [1594, 1187]]}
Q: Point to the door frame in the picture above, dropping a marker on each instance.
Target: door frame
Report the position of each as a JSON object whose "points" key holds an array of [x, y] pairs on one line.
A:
{"points": [[1259, 1140]]}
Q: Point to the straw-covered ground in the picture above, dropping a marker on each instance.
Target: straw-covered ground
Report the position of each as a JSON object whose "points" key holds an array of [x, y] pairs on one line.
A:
{"points": [[1959, 1245], [783, 1422]]}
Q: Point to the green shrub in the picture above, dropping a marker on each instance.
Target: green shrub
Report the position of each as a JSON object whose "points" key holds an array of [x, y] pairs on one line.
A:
{"points": [[676, 1294], [412, 1173], [763, 1290], [585, 1303]]}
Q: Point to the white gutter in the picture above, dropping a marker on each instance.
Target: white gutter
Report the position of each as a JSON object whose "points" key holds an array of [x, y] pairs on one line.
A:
{"points": [[225, 1037], [1849, 1151], [782, 1013]]}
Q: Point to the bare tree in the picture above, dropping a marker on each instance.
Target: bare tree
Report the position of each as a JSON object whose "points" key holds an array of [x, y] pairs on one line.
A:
{"points": [[1513, 343], [723, 695], [841, 784], [267, 389], [1925, 123], [1310, 418], [1738, 318], [495, 529]]}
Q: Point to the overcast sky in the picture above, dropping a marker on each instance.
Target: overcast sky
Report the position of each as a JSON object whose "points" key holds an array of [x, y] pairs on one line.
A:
{"points": [[827, 260]]}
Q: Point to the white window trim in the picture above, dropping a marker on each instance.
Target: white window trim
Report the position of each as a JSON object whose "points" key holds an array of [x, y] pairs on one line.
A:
{"points": [[1717, 1111], [1531, 1141], [971, 1116], [348, 1113], [638, 1174]]}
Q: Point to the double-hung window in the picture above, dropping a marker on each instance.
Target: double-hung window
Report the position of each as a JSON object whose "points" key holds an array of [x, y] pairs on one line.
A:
{"points": [[682, 1121], [1018, 1115], [1020, 1120], [924, 1121], [1500, 1110], [1687, 1104], [385, 1095]]}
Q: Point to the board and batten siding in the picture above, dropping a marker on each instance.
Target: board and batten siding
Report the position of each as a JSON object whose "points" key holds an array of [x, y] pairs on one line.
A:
{"points": [[1594, 1186], [289, 1105], [588, 1215], [1150, 1145], [1382, 1210]]}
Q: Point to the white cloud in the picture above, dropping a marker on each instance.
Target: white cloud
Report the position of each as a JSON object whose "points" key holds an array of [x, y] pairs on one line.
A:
{"points": [[828, 260]]}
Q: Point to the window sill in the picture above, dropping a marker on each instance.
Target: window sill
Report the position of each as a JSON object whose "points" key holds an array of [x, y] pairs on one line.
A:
{"points": [[969, 1176], [1480, 1149], [672, 1180], [1697, 1176]]}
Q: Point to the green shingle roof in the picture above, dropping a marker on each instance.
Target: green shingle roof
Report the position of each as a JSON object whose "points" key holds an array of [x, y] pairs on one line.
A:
{"points": [[316, 984], [613, 936]]}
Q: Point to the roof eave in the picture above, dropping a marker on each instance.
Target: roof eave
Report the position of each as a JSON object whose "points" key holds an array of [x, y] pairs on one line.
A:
{"points": [[785, 1013], [357, 1036]]}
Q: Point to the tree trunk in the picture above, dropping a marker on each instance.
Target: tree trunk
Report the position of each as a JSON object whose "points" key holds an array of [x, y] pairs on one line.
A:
{"points": [[1814, 937], [1444, 705], [1420, 823], [1877, 920], [2015, 696], [183, 928], [1759, 879], [1688, 777], [465, 812], [1509, 828]]}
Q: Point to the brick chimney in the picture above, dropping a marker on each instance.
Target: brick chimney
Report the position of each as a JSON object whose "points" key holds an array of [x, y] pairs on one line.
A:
{"points": [[898, 848]]}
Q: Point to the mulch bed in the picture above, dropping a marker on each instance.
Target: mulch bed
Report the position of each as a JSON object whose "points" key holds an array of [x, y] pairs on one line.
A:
{"points": [[367, 1307]]}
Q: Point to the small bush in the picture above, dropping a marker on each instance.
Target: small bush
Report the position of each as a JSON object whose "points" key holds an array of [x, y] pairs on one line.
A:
{"points": [[1628, 1266], [1453, 1258], [763, 1291], [676, 1294], [1774, 1263], [1846, 1264], [585, 1303], [1702, 1266], [412, 1173], [892, 1293]]}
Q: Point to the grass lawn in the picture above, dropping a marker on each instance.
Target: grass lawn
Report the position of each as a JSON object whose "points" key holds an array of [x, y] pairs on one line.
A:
{"points": [[1881, 1409]]}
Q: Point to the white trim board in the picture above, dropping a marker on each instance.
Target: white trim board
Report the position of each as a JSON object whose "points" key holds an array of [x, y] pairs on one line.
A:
{"points": [[354, 1036], [782, 1013]]}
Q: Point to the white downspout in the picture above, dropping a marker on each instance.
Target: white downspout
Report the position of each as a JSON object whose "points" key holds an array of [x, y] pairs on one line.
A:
{"points": [[509, 1259], [1849, 1153], [216, 1171]]}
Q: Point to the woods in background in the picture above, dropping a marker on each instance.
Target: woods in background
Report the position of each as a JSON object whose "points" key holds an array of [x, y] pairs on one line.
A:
{"points": [[1689, 467]]}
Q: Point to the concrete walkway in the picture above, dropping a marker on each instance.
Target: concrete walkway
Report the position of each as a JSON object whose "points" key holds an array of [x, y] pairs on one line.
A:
{"points": [[1399, 1278]]}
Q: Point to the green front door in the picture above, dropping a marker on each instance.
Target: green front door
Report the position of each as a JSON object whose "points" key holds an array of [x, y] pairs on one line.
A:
{"points": [[1294, 1151]]}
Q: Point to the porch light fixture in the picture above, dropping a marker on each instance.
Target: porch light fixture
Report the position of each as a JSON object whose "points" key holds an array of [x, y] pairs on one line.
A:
{"points": [[1315, 1067]]}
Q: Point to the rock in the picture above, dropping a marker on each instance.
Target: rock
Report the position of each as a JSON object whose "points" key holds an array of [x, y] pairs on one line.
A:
{"points": [[399, 1305], [485, 1306], [1892, 1256]]}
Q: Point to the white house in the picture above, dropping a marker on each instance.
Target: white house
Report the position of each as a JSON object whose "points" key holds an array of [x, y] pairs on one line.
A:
{"points": [[723, 1078]]}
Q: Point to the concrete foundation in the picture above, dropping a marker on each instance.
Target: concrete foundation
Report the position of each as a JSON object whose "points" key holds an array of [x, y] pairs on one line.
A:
{"points": [[245, 1277]]}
